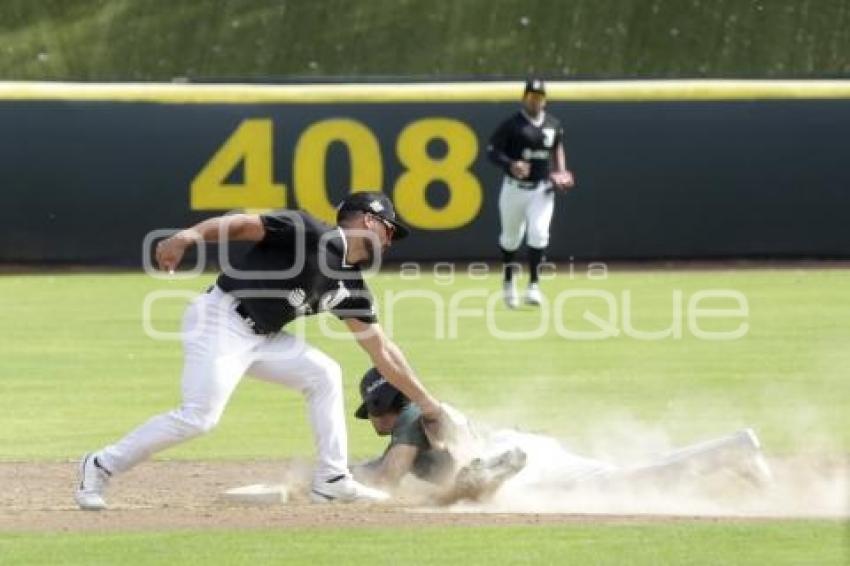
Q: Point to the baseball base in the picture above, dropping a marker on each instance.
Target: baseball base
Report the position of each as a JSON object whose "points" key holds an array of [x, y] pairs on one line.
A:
{"points": [[257, 494]]}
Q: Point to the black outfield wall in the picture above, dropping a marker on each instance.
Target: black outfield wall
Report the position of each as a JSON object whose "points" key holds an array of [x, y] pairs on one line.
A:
{"points": [[85, 180]]}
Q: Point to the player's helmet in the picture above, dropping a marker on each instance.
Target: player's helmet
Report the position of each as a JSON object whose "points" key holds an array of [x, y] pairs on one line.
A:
{"points": [[376, 203], [379, 396]]}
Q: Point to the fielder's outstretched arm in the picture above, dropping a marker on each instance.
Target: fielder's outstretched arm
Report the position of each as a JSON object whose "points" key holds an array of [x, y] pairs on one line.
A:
{"points": [[390, 362], [246, 227]]}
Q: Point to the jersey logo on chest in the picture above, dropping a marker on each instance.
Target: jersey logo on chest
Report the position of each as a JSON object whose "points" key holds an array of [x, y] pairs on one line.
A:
{"points": [[333, 298], [297, 298], [548, 136]]}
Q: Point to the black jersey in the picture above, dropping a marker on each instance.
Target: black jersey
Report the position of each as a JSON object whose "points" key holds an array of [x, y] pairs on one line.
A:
{"points": [[297, 269], [518, 139]]}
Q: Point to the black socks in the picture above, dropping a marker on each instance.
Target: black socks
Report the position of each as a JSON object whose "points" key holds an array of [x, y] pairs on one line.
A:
{"points": [[535, 258], [508, 261]]}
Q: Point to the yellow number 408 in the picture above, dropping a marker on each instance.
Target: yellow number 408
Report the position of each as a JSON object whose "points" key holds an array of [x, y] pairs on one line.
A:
{"points": [[251, 145]]}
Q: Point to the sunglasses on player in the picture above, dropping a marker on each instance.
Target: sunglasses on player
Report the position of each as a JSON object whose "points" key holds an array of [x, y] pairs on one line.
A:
{"points": [[390, 227]]}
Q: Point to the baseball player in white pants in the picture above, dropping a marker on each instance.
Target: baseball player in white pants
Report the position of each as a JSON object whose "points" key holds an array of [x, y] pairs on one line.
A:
{"points": [[212, 326], [296, 267], [473, 463], [525, 147]]}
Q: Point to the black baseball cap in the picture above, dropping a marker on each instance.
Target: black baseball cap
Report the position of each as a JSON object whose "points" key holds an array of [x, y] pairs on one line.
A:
{"points": [[377, 393], [376, 203], [535, 85]]}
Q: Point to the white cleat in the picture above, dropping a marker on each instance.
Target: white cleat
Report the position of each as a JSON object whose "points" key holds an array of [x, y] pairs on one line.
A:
{"points": [[533, 295], [759, 472], [482, 477], [748, 438], [345, 489], [755, 468], [510, 295], [502, 466], [93, 481]]}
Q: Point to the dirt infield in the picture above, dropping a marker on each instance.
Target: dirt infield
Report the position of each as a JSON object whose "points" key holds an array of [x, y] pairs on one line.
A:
{"points": [[186, 495]]}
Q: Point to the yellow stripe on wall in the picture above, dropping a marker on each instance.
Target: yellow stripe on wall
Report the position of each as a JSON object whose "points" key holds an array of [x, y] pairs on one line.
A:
{"points": [[590, 91]]}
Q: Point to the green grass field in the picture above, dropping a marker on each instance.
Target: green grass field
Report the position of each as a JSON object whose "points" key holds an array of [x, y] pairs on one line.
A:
{"points": [[78, 371], [784, 543]]}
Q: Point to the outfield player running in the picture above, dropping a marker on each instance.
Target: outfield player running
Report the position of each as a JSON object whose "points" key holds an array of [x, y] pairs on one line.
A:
{"points": [[475, 465], [297, 266], [529, 148]]}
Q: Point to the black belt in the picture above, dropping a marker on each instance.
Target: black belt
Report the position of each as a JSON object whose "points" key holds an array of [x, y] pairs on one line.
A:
{"points": [[525, 185], [244, 315], [240, 310], [251, 321]]}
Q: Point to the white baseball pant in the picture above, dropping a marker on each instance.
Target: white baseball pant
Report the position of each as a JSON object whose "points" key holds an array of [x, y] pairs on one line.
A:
{"points": [[548, 463], [219, 348], [525, 213], [551, 465]]}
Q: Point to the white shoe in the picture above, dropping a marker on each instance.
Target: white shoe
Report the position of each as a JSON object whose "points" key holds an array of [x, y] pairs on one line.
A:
{"points": [[510, 295], [533, 295], [482, 477], [345, 489], [755, 468], [93, 481]]}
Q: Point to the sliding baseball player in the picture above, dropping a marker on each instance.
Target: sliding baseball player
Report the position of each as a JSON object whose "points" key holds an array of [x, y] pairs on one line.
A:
{"points": [[473, 465]]}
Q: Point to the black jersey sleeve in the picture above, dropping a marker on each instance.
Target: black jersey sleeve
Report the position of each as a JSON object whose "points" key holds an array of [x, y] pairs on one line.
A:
{"points": [[357, 304], [281, 226], [497, 148]]}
